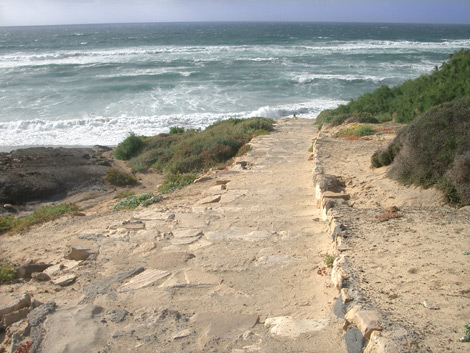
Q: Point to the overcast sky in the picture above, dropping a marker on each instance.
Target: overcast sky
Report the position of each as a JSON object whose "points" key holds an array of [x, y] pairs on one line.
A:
{"points": [[45, 12]]}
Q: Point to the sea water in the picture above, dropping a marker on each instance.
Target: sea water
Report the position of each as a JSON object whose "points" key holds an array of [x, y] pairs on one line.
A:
{"points": [[94, 84]]}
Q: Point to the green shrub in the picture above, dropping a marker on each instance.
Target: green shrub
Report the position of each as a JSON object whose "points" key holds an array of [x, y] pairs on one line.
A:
{"points": [[119, 178], [435, 150], [176, 130], [129, 148], [176, 181], [134, 201], [7, 272], [6, 223]]}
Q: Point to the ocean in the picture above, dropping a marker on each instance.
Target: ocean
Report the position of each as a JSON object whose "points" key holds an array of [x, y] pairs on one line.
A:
{"points": [[83, 85]]}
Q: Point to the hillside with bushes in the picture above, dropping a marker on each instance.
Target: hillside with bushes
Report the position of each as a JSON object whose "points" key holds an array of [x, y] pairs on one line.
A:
{"points": [[407, 101], [181, 154]]}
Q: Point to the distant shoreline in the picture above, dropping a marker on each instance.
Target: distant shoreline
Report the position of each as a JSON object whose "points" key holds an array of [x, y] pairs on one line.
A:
{"points": [[9, 149]]}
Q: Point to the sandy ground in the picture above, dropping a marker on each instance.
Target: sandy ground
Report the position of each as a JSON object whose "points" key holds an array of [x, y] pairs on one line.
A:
{"points": [[229, 264], [404, 262]]}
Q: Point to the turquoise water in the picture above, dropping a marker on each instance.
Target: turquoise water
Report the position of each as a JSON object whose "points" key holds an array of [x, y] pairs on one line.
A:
{"points": [[93, 84]]}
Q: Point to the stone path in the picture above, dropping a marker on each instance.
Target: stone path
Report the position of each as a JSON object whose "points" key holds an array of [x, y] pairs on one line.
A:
{"points": [[233, 270]]}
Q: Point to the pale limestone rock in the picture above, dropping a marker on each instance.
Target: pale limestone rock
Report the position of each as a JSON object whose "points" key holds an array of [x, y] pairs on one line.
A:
{"points": [[210, 199], [200, 278], [430, 305], [365, 320], [76, 329], [292, 327], [144, 279], [183, 334], [15, 305], [145, 247], [338, 274], [187, 233], [63, 266], [65, 280], [379, 344], [77, 253]]}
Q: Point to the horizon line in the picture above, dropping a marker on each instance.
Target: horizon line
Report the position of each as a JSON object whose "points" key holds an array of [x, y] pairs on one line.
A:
{"points": [[241, 21]]}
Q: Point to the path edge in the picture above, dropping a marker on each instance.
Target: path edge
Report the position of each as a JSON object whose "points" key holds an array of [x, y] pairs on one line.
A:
{"points": [[378, 335]]}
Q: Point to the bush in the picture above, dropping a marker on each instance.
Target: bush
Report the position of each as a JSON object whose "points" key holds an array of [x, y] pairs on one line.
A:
{"points": [[435, 150], [176, 130], [7, 272], [129, 148], [176, 181], [133, 201], [119, 178]]}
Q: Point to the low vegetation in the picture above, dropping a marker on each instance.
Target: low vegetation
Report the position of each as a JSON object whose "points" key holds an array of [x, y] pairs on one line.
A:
{"points": [[328, 259], [134, 201], [119, 178], [7, 272], [176, 181], [355, 131], [409, 100], [41, 215], [183, 153], [434, 150]]}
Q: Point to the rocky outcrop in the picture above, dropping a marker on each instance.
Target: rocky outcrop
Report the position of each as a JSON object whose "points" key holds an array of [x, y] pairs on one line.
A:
{"points": [[47, 174]]}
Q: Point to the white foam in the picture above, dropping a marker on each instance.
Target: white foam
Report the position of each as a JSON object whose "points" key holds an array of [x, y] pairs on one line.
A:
{"points": [[88, 131]]}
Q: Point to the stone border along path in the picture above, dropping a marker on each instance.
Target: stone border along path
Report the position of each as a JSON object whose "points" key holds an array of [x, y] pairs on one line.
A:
{"points": [[363, 324], [240, 270]]}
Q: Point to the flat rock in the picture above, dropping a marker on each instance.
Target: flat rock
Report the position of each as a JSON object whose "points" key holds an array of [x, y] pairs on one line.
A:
{"points": [[187, 233], [63, 266], [169, 260], [145, 247], [15, 304], [238, 235], [185, 241], [200, 278], [183, 334], [74, 330], [144, 279], [292, 327], [224, 324], [65, 280], [209, 199], [77, 253], [103, 285]]}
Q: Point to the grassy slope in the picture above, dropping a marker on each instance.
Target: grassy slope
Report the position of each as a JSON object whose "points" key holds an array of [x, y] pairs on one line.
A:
{"points": [[407, 101]]}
